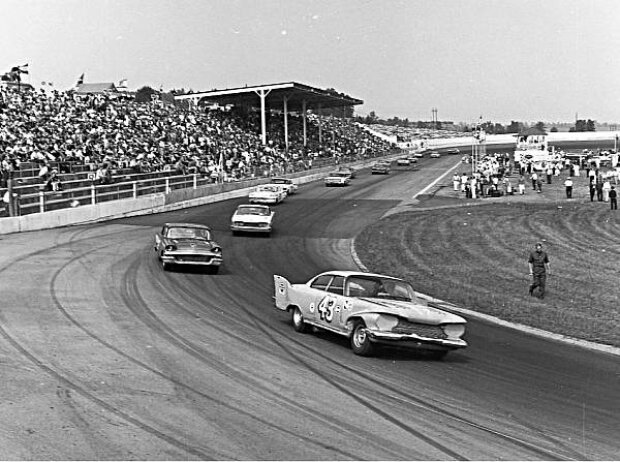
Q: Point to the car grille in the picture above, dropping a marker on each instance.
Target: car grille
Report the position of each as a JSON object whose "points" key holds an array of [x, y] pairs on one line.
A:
{"points": [[196, 258], [421, 330]]}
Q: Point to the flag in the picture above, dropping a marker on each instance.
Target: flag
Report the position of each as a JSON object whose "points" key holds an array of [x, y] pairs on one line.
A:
{"points": [[80, 79], [122, 83]]}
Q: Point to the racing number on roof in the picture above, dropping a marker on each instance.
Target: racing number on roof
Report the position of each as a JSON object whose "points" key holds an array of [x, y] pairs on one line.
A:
{"points": [[326, 308]]}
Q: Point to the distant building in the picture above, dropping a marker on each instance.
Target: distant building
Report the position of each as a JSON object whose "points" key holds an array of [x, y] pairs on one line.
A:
{"points": [[95, 89]]}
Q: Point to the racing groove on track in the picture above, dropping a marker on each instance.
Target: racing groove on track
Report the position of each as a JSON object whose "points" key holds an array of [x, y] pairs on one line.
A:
{"points": [[175, 365]]}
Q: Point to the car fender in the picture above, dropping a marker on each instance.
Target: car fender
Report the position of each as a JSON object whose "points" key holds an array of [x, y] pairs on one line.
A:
{"points": [[282, 288]]}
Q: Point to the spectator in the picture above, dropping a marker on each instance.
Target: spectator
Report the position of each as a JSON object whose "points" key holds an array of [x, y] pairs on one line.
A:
{"points": [[613, 197], [568, 184], [539, 266]]}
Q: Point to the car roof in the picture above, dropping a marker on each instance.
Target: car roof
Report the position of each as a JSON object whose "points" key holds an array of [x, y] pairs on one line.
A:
{"points": [[186, 225], [347, 273]]}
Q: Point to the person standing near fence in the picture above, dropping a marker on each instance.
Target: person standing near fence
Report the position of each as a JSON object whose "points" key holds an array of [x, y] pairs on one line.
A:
{"points": [[568, 184], [539, 267]]}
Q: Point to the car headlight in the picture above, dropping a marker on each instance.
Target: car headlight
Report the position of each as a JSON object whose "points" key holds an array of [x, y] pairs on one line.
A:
{"points": [[170, 248], [454, 331], [217, 250], [386, 322]]}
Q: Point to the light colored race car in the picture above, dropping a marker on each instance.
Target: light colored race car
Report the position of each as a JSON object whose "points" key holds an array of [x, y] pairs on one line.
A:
{"points": [[403, 161], [252, 218], [289, 186], [338, 178], [267, 194], [370, 309], [381, 167], [435, 155], [188, 244]]}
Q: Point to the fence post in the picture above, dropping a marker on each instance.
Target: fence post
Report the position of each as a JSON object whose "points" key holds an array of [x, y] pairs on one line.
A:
{"points": [[195, 181], [167, 185], [41, 201], [135, 189], [93, 195]]}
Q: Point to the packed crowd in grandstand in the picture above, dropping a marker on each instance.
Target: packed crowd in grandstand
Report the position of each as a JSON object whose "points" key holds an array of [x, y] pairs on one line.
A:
{"points": [[107, 133]]}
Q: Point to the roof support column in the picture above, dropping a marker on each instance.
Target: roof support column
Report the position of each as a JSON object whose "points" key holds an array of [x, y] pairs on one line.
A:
{"points": [[319, 110], [303, 117], [285, 107], [262, 94]]}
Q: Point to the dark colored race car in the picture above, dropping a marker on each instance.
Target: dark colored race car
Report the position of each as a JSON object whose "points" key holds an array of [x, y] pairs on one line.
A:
{"points": [[381, 168], [187, 244]]}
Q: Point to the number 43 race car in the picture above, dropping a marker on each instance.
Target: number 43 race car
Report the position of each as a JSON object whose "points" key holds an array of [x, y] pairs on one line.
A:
{"points": [[370, 309]]}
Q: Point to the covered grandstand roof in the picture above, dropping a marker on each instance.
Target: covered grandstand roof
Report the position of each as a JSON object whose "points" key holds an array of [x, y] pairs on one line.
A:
{"points": [[295, 94]]}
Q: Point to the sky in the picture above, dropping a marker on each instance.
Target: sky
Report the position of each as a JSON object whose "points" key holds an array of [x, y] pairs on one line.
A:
{"points": [[521, 60]]}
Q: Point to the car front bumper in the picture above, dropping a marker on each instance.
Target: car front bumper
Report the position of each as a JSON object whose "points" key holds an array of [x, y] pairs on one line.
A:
{"points": [[251, 228], [414, 341], [194, 259]]}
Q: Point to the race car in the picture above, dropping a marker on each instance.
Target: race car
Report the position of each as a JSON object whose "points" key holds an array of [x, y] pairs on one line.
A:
{"points": [[381, 167], [252, 218], [453, 151], [188, 244], [287, 184], [337, 178], [370, 309], [267, 194], [435, 154], [403, 161], [349, 170]]}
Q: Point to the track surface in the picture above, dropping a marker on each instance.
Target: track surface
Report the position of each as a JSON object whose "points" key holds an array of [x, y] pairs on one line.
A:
{"points": [[105, 356]]}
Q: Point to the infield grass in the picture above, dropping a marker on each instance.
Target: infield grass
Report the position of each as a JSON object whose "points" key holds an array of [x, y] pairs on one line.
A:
{"points": [[476, 257]]}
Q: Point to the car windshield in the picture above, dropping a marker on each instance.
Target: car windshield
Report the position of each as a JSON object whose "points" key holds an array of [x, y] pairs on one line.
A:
{"points": [[377, 287], [341, 174], [268, 188], [183, 232], [252, 210]]}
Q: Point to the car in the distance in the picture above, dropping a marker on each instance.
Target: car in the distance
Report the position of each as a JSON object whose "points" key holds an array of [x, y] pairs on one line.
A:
{"points": [[337, 178], [453, 151], [403, 162], [380, 168], [188, 244], [350, 170], [252, 218], [267, 194], [412, 159], [289, 186], [370, 309], [435, 154]]}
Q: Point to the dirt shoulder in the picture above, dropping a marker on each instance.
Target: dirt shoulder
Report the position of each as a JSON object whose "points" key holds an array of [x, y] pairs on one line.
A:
{"points": [[473, 253]]}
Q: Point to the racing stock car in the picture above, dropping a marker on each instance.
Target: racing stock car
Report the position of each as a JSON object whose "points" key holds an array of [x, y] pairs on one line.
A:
{"points": [[187, 244], [370, 309], [252, 218]]}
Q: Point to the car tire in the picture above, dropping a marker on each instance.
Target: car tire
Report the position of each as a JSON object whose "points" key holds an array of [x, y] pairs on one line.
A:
{"points": [[360, 341], [437, 355], [165, 265], [298, 321], [214, 269]]}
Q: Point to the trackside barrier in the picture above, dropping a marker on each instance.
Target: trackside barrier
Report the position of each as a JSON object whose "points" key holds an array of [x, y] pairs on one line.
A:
{"points": [[156, 203]]}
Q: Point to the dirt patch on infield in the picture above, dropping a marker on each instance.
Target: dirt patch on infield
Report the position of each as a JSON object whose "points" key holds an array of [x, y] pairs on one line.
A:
{"points": [[474, 254]]}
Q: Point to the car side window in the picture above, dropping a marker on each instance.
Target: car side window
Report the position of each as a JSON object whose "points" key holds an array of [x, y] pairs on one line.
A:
{"points": [[321, 282], [337, 285]]}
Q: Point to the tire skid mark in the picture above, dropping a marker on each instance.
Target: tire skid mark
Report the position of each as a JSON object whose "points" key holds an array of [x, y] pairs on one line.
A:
{"points": [[412, 398], [159, 328]]}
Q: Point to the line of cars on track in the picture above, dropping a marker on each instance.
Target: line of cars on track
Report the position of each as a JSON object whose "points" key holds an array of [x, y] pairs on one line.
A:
{"points": [[369, 309]]}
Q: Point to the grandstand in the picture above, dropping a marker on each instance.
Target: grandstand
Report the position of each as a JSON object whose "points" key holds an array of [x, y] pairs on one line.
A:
{"points": [[156, 147]]}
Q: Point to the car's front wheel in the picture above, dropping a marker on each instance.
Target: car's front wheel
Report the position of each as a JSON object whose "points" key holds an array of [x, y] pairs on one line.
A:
{"points": [[298, 321], [360, 340]]}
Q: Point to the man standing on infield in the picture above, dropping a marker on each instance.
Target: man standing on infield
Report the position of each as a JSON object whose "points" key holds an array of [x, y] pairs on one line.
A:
{"points": [[539, 265]]}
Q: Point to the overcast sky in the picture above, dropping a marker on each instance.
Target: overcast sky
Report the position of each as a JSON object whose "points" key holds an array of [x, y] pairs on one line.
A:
{"points": [[521, 60]]}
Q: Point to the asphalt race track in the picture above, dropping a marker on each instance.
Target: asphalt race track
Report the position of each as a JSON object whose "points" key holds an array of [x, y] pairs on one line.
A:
{"points": [[103, 355]]}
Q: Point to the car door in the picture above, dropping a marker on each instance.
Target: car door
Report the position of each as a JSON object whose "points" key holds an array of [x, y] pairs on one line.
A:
{"points": [[317, 297], [329, 309]]}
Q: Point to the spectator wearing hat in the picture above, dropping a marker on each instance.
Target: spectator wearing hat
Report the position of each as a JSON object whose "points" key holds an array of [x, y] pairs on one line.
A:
{"points": [[568, 184], [613, 198]]}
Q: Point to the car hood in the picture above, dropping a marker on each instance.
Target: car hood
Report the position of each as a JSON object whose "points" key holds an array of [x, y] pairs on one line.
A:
{"points": [[411, 311], [192, 244]]}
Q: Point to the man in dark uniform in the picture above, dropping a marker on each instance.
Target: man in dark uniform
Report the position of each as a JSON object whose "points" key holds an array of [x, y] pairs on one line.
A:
{"points": [[539, 265]]}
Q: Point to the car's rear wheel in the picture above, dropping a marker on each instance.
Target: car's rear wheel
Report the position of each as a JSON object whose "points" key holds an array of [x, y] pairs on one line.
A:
{"points": [[360, 340], [298, 321]]}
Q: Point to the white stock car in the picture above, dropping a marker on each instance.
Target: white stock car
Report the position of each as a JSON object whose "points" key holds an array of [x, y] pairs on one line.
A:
{"points": [[369, 309], [286, 183], [252, 218], [338, 178], [267, 194]]}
